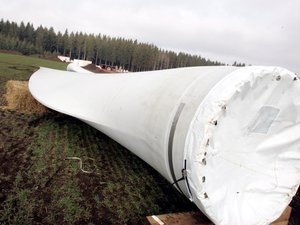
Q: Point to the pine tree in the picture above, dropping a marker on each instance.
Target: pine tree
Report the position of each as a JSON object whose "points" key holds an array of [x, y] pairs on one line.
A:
{"points": [[101, 49]]}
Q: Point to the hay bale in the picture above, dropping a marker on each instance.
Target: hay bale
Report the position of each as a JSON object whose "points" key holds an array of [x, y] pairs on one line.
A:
{"points": [[19, 98]]}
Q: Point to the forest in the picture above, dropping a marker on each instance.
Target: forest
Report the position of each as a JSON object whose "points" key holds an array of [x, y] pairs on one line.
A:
{"points": [[100, 49]]}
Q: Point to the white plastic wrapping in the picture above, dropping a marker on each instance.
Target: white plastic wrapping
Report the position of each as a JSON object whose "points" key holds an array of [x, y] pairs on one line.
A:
{"points": [[246, 133], [233, 134]]}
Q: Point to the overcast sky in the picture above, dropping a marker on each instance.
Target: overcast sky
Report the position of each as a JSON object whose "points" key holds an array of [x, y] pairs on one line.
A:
{"points": [[257, 32]]}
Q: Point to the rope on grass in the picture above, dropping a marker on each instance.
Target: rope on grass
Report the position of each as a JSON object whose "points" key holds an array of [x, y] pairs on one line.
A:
{"points": [[80, 163]]}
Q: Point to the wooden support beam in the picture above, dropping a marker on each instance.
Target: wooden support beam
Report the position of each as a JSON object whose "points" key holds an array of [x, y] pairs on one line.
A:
{"points": [[197, 218]]}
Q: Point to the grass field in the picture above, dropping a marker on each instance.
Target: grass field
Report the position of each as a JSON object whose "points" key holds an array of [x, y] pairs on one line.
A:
{"points": [[38, 185], [18, 67]]}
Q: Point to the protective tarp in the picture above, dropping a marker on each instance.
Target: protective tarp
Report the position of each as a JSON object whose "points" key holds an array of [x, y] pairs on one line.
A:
{"points": [[232, 134], [244, 143]]}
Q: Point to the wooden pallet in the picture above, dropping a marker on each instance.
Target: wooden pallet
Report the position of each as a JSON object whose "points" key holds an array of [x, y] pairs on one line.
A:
{"points": [[197, 218]]}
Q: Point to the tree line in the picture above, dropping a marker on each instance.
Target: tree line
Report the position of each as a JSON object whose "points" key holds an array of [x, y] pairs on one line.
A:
{"points": [[100, 49]]}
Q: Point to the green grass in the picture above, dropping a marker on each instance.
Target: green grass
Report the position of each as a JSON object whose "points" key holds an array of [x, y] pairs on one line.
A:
{"points": [[31, 61], [19, 67], [39, 186]]}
